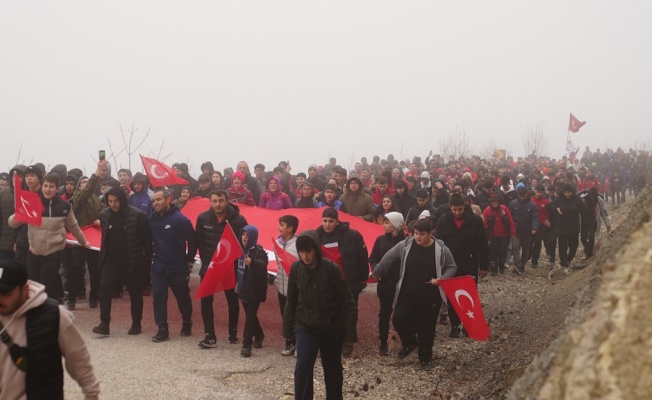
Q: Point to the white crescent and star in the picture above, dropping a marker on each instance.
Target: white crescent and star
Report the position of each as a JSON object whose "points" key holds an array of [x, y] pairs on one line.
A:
{"points": [[463, 293], [25, 203], [152, 170], [223, 251]]}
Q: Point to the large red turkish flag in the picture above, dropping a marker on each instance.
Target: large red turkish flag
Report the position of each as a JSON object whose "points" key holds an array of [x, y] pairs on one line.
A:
{"points": [[462, 293], [575, 124], [220, 274], [160, 174], [28, 206]]}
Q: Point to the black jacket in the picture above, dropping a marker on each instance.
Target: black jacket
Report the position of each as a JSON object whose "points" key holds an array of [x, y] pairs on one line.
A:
{"points": [[482, 199], [209, 232], [525, 215], [139, 236], [469, 244], [568, 223], [254, 281], [387, 283], [355, 260], [406, 202]]}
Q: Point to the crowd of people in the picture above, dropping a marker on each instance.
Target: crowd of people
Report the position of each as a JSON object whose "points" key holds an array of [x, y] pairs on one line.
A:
{"points": [[443, 217]]}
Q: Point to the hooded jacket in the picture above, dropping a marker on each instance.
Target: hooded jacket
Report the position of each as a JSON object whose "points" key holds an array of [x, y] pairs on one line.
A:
{"points": [[85, 204], [140, 200], [209, 232], [241, 194], [525, 215], [352, 249], [13, 382], [594, 213], [136, 229], [358, 203], [175, 244], [396, 257], [387, 285], [50, 237], [276, 200], [251, 279], [568, 222], [7, 233], [318, 299]]}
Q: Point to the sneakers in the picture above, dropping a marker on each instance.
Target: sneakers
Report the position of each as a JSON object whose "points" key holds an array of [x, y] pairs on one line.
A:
{"points": [[426, 365], [246, 351], [161, 336], [233, 339], [455, 332], [347, 349], [384, 350], [566, 270], [209, 342], [289, 349], [258, 341], [186, 328], [405, 351], [135, 329], [102, 329]]}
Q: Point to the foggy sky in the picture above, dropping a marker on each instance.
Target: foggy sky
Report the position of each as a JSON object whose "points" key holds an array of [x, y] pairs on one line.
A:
{"points": [[266, 81]]}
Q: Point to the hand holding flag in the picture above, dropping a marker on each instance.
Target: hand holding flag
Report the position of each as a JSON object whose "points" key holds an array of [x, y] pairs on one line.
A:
{"points": [[284, 257], [27, 205], [220, 274], [463, 295], [160, 174]]}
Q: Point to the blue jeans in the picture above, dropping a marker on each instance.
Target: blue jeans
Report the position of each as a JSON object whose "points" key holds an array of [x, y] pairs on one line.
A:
{"points": [[329, 347], [178, 282]]}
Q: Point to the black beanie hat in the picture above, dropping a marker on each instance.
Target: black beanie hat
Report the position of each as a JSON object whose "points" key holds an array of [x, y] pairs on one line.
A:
{"points": [[32, 169]]}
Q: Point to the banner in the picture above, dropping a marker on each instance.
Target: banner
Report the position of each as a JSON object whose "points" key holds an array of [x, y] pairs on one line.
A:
{"points": [[462, 293]]}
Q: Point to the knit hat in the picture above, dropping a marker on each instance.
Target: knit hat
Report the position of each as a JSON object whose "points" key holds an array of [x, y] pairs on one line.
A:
{"points": [[395, 218], [330, 212], [425, 175], [32, 169], [567, 187], [238, 174], [494, 197]]}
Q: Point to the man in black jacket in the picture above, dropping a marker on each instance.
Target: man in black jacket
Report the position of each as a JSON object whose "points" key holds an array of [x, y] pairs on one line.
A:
{"points": [[567, 208], [386, 289], [210, 226], [463, 233], [404, 198], [345, 247], [126, 251]]}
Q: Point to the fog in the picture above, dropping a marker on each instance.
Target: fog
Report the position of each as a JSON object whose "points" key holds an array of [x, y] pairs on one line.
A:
{"points": [[265, 81]]}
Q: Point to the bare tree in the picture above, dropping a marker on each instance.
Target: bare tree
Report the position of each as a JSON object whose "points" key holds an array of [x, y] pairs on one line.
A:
{"points": [[535, 141], [456, 144]]}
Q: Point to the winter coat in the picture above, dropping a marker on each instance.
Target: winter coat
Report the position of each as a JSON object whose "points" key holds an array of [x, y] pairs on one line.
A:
{"points": [[318, 299], [137, 230], [172, 233], [469, 244], [281, 279], [405, 202], [209, 232], [7, 233], [596, 215], [387, 285], [498, 222], [276, 200], [525, 215], [355, 259], [568, 222], [85, 204], [252, 279]]}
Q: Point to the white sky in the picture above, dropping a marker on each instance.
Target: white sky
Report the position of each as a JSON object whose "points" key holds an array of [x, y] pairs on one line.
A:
{"points": [[269, 80]]}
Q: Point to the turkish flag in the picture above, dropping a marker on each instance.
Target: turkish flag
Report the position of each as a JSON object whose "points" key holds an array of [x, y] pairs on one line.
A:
{"points": [[574, 124], [284, 257], [28, 206], [463, 295], [220, 274], [160, 174]]}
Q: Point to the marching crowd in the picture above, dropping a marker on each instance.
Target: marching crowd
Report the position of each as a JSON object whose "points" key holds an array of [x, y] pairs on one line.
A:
{"points": [[443, 217]]}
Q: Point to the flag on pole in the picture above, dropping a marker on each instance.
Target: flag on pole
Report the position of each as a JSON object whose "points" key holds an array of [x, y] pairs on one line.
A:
{"points": [[463, 295], [284, 257], [27, 205], [160, 174], [574, 124], [220, 274]]}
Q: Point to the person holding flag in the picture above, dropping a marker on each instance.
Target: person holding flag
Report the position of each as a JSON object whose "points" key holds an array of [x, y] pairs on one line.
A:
{"points": [[285, 245], [210, 226], [46, 240], [422, 261]]}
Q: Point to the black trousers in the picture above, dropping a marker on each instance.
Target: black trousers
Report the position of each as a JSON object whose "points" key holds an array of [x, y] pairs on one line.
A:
{"points": [[178, 282], [384, 315], [567, 248], [587, 236], [81, 257], [416, 321], [281, 302], [45, 270], [109, 275], [498, 252], [208, 315], [538, 241], [252, 326], [329, 347]]}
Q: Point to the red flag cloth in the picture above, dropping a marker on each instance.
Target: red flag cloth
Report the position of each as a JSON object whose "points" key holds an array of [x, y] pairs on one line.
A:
{"points": [[266, 220], [28, 206], [160, 174], [574, 124], [220, 274], [462, 293], [93, 235], [284, 257]]}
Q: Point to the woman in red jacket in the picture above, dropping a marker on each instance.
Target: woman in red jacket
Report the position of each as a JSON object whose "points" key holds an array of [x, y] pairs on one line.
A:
{"points": [[500, 229]]}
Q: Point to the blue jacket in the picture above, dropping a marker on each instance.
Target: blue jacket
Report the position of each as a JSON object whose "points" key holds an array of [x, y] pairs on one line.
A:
{"points": [[170, 234], [525, 215], [141, 201]]}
